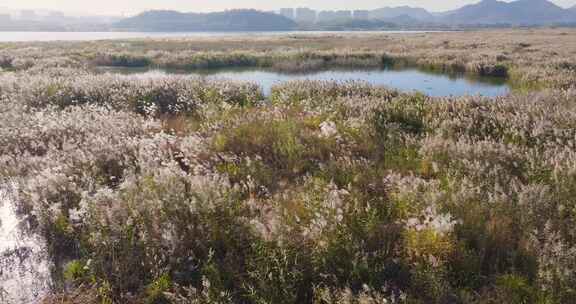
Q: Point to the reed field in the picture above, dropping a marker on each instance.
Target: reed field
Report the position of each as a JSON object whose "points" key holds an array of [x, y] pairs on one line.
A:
{"points": [[189, 190]]}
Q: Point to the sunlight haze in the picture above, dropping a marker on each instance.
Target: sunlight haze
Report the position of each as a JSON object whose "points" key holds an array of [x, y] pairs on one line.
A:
{"points": [[135, 6]]}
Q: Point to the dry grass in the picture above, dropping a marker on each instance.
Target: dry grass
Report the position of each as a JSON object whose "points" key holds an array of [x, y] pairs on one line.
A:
{"points": [[532, 58], [186, 191]]}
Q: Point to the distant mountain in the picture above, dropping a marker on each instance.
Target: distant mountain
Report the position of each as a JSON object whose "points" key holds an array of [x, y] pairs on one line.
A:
{"points": [[232, 20], [387, 13], [520, 12]]}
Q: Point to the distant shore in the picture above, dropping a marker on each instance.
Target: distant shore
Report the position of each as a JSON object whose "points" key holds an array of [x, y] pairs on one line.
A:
{"points": [[30, 36]]}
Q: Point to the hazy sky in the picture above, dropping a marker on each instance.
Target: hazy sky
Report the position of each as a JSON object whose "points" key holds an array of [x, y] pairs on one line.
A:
{"points": [[117, 7]]}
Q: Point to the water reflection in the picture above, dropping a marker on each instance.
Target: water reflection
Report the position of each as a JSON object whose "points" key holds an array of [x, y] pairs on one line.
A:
{"points": [[406, 79]]}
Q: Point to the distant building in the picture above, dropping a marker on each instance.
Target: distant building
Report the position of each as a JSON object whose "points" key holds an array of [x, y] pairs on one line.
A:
{"points": [[28, 15], [327, 16], [287, 12], [305, 15], [361, 14]]}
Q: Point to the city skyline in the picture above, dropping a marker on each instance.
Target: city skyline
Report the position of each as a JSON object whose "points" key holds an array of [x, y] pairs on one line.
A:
{"points": [[127, 7]]}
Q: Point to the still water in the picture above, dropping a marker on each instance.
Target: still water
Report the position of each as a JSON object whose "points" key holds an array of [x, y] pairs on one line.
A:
{"points": [[405, 80]]}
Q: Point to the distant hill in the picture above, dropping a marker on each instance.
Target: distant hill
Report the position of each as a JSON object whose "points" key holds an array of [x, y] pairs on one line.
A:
{"points": [[521, 12], [388, 13], [232, 20], [485, 12]]}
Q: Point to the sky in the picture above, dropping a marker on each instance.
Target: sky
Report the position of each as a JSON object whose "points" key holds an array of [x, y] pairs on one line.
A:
{"points": [[128, 7]]}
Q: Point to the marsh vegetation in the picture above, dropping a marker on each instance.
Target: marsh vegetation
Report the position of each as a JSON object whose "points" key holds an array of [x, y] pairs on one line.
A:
{"points": [[190, 190], [405, 79]]}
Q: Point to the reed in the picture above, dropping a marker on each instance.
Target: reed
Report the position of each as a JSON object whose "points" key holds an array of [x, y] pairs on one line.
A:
{"points": [[182, 190]]}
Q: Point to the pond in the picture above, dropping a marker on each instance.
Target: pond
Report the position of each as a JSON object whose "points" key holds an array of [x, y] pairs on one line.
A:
{"points": [[405, 80]]}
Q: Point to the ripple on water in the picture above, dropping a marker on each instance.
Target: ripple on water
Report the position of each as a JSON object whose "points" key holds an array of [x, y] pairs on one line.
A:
{"points": [[24, 264]]}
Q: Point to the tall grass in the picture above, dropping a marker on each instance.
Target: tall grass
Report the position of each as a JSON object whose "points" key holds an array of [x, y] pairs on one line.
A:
{"points": [[181, 190]]}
